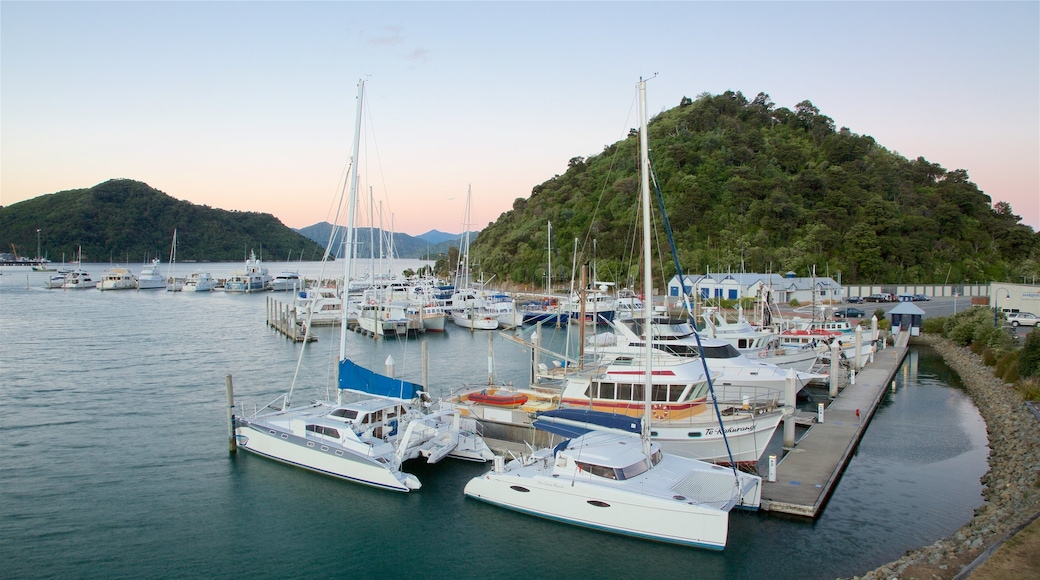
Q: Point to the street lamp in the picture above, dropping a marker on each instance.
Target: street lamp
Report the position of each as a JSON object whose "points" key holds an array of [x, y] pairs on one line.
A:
{"points": [[995, 297]]}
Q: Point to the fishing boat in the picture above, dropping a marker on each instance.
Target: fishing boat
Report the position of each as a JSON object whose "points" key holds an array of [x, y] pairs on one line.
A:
{"points": [[366, 441], [618, 482]]}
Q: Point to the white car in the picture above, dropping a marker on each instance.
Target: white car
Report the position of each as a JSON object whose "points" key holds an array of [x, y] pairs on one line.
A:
{"points": [[1023, 319]]}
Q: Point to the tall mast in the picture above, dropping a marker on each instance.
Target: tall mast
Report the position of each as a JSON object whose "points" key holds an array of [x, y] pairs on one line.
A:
{"points": [[644, 176], [349, 238]]}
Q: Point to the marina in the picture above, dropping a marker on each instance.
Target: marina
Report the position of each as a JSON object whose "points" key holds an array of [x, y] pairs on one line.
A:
{"points": [[139, 450]]}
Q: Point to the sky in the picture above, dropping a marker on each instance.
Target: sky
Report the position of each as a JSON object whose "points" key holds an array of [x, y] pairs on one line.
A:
{"points": [[251, 105]]}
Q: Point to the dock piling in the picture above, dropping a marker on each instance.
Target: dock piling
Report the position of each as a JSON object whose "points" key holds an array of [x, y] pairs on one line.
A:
{"points": [[229, 387]]}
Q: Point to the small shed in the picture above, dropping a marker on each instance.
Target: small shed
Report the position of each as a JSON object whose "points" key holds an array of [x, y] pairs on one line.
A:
{"points": [[906, 316]]}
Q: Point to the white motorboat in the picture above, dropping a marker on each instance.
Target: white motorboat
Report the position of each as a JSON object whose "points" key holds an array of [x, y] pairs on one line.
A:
{"points": [[78, 280], [117, 278], [389, 318], [150, 277], [366, 441], [734, 375], [287, 281], [199, 282], [55, 280], [474, 318], [324, 305], [616, 482], [761, 345], [597, 306]]}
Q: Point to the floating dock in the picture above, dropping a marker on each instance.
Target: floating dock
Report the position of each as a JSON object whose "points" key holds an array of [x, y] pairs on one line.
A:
{"points": [[282, 317], [807, 474]]}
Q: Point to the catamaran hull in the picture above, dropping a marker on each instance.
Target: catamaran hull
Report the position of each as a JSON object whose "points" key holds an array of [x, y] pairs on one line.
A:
{"points": [[325, 459], [576, 503]]}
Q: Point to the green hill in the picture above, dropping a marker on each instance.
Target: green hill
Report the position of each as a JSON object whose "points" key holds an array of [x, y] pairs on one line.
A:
{"points": [[749, 186], [123, 220]]}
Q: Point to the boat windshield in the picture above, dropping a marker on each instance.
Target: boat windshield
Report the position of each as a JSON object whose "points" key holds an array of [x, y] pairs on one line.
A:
{"points": [[721, 351]]}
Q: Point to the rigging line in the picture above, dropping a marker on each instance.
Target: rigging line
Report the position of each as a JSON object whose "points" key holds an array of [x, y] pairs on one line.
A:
{"points": [[607, 175], [693, 323]]}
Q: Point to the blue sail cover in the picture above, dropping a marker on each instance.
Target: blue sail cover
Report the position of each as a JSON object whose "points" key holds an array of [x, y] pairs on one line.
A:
{"points": [[358, 379], [577, 422]]}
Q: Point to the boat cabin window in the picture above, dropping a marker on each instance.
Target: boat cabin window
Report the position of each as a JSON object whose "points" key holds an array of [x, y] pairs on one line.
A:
{"points": [[633, 470], [665, 393], [616, 391], [345, 413], [597, 470], [323, 430]]}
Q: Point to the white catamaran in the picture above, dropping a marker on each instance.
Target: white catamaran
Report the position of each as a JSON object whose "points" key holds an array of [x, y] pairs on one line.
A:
{"points": [[366, 441]]}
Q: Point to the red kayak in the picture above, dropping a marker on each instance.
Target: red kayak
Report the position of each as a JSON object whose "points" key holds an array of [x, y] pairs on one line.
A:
{"points": [[505, 400]]}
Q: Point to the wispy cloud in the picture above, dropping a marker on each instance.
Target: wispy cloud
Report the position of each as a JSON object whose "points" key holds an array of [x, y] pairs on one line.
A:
{"points": [[390, 36]]}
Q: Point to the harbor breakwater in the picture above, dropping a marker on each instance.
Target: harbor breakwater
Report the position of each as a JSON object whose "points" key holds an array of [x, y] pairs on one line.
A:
{"points": [[1011, 487]]}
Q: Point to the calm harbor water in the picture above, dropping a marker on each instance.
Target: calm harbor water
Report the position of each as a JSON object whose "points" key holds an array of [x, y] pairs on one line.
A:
{"points": [[114, 461]]}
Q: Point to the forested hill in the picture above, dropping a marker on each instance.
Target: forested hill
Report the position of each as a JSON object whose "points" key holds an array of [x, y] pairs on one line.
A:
{"points": [[127, 221], [753, 187]]}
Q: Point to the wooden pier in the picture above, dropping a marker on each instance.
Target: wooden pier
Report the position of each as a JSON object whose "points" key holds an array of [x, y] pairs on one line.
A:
{"points": [[807, 474], [282, 317]]}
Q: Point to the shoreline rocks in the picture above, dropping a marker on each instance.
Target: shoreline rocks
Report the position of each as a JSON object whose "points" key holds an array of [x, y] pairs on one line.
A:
{"points": [[1011, 487]]}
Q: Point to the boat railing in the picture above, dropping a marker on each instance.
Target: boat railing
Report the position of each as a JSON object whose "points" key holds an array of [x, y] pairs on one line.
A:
{"points": [[749, 399]]}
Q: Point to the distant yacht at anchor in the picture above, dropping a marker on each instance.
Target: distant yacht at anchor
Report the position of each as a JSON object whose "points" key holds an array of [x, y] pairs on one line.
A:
{"points": [[253, 279]]}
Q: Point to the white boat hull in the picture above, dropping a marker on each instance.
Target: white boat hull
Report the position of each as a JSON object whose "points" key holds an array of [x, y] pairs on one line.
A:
{"points": [[475, 322], [685, 502], [322, 458]]}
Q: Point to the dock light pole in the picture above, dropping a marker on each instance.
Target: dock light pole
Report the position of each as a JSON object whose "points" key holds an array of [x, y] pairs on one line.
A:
{"points": [[995, 297]]}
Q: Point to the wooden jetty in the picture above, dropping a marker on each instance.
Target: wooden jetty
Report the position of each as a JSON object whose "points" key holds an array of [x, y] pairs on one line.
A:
{"points": [[807, 474], [282, 317]]}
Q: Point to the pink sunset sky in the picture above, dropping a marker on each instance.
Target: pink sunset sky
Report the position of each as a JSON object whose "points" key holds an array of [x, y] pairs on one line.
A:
{"points": [[250, 105]]}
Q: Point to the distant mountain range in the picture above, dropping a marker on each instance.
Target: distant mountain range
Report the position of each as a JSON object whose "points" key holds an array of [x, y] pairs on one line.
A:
{"points": [[426, 246]]}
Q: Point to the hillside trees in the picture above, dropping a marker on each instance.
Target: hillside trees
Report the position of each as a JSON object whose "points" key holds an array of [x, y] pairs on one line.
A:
{"points": [[755, 187]]}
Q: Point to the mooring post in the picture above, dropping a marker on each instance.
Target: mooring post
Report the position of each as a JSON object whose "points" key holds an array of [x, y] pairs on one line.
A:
{"points": [[790, 394], [230, 388], [859, 349], [835, 368]]}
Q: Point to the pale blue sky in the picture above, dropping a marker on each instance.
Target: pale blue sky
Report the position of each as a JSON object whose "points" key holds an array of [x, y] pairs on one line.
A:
{"points": [[250, 105]]}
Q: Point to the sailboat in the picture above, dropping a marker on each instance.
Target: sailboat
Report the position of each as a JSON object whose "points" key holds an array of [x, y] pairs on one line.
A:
{"points": [[174, 284], [468, 304], [366, 441], [615, 482]]}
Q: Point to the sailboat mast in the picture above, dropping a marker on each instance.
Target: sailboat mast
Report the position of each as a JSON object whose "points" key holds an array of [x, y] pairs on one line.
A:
{"points": [[644, 176], [349, 238], [548, 276]]}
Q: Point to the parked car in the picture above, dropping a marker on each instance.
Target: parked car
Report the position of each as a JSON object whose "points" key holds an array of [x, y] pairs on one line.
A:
{"points": [[1023, 319], [849, 313], [905, 297], [921, 298], [854, 299], [880, 297]]}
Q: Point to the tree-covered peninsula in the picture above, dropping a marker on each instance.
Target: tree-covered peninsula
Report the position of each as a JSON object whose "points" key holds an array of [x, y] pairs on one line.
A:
{"points": [[754, 187], [122, 220]]}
